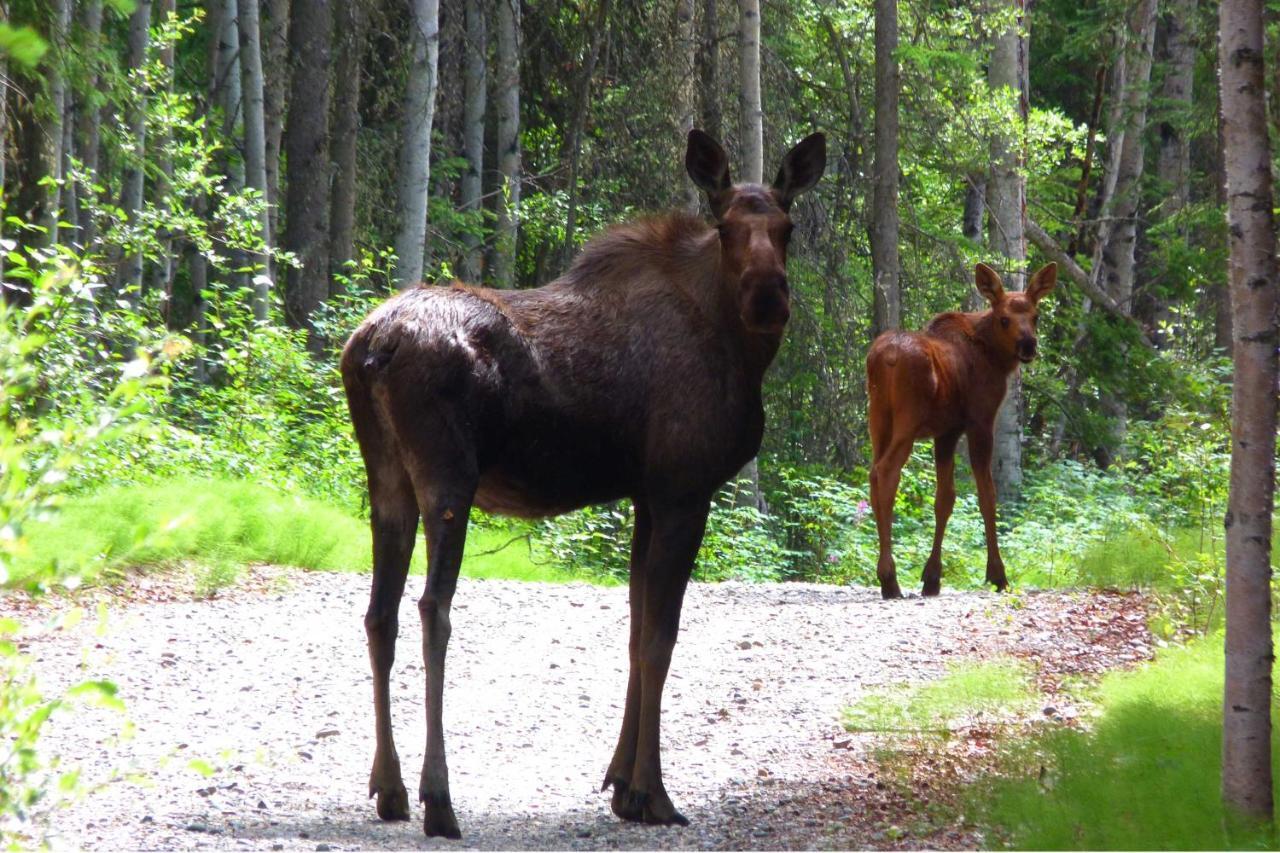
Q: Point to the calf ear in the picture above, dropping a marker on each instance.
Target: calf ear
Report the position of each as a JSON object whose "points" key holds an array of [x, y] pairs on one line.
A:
{"points": [[1045, 280], [989, 284], [801, 169], [708, 166]]}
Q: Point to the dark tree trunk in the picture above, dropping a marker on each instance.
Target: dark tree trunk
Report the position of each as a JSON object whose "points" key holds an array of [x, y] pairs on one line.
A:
{"points": [[346, 124], [474, 93], [885, 265]]}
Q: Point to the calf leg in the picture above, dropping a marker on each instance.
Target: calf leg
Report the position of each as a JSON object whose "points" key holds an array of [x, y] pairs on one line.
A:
{"points": [[677, 534], [886, 471], [944, 454], [980, 450], [624, 755]]}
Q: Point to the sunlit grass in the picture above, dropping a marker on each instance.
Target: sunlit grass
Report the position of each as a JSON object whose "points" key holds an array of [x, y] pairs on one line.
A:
{"points": [[1145, 775], [216, 524], [967, 690]]}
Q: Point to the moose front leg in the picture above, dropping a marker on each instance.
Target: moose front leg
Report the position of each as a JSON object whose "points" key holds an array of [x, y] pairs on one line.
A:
{"points": [[980, 450], [624, 755], [677, 534], [944, 500]]}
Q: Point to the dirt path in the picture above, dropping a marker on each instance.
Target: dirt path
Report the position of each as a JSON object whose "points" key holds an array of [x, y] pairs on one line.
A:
{"points": [[270, 684]]}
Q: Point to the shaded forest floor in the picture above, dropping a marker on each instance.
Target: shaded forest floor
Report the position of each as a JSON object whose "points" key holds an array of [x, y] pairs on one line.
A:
{"points": [[250, 723]]}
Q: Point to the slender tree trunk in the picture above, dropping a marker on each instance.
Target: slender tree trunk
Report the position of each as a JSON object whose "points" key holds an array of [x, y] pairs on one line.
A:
{"points": [[307, 165], [686, 68], [1255, 297], [712, 122], [346, 123], [4, 137], [255, 144], [415, 146], [1082, 188], [474, 89], [508, 143], [88, 121], [162, 272], [275, 77], [129, 273], [1007, 208], [1117, 258], [885, 266], [578, 125], [752, 111]]}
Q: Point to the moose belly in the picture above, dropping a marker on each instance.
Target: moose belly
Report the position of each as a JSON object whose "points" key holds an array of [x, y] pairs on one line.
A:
{"points": [[554, 475]]}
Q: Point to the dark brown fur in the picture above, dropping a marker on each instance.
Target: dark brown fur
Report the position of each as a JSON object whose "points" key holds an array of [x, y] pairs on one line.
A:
{"points": [[944, 382], [635, 375]]}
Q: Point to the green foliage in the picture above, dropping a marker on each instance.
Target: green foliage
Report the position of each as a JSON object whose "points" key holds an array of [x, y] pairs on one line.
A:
{"points": [[1145, 775], [995, 689]]}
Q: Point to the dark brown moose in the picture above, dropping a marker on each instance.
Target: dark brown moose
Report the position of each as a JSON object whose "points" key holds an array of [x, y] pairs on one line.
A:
{"points": [[944, 382], [635, 375]]}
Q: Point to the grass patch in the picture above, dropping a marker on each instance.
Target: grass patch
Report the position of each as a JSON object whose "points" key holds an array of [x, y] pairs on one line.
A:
{"points": [[968, 690], [1145, 776], [220, 524]]}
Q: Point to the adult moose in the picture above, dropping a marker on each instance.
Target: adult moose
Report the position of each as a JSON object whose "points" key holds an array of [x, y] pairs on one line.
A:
{"points": [[636, 374], [944, 382]]}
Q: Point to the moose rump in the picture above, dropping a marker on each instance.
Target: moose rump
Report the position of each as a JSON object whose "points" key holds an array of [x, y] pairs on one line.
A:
{"points": [[635, 375]]}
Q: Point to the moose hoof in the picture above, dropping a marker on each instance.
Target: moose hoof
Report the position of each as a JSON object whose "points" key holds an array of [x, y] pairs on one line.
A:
{"points": [[624, 804], [931, 588], [888, 593], [438, 819], [393, 803], [641, 807]]}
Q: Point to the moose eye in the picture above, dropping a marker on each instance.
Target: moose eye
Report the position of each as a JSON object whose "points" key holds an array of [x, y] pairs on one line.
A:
{"points": [[1004, 322]]}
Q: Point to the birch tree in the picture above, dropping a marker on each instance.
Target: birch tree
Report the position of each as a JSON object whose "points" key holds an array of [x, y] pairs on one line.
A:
{"points": [[255, 142], [346, 124], [508, 143], [752, 110], [474, 94], [129, 273], [1247, 694], [415, 144]]}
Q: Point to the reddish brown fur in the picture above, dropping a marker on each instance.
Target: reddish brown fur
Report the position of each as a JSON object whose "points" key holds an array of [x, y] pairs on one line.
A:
{"points": [[944, 382], [635, 375]]}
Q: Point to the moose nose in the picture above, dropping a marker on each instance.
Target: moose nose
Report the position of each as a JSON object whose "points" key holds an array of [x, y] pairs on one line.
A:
{"points": [[1026, 349]]}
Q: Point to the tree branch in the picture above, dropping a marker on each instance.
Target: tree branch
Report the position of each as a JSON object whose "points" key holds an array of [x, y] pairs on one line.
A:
{"points": [[1073, 271]]}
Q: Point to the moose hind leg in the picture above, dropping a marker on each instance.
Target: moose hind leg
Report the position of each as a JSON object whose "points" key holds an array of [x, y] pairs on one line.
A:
{"points": [[886, 471], [677, 534], [944, 453], [445, 519]]}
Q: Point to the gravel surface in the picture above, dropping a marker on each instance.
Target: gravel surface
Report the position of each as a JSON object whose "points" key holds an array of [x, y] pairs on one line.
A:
{"points": [[269, 683]]}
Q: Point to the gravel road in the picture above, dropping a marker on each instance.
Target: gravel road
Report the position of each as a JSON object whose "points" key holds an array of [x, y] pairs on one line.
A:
{"points": [[269, 684]]}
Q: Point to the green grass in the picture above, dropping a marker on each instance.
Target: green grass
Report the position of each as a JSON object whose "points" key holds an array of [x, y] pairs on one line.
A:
{"points": [[1145, 776], [219, 524], [968, 689]]}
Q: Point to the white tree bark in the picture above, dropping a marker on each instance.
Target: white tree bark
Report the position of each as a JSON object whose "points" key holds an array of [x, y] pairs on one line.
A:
{"points": [[752, 109], [129, 274], [255, 143], [1007, 209], [415, 149], [508, 141], [686, 68], [1255, 296], [474, 94]]}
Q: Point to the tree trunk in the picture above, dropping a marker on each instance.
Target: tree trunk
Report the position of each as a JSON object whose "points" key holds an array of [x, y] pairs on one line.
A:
{"points": [[88, 121], [346, 124], [129, 273], [255, 144], [508, 143], [578, 125], [275, 76], [474, 93], [686, 65], [885, 265], [164, 269], [710, 71], [751, 109], [1255, 295], [415, 145], [1117, 258], [1007, 207], [306, 145]]}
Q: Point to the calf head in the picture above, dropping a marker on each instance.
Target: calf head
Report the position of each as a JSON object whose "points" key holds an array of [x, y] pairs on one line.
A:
{"points": [[1015, 313], [755, 224]]}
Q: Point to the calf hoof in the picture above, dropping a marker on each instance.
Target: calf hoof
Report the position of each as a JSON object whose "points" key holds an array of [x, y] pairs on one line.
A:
{"points": [[931, 588], [641, 807], [393, 803], [438, 819], [889, 592]]}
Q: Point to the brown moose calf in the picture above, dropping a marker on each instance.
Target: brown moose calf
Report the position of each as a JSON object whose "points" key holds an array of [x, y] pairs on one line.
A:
{"points": [[944, 382]]}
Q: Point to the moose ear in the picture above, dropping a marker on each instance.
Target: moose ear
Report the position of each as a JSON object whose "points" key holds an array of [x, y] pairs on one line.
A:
{"points": [[989, 284], [708, 165], [801, 169], [1045, 280]]}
